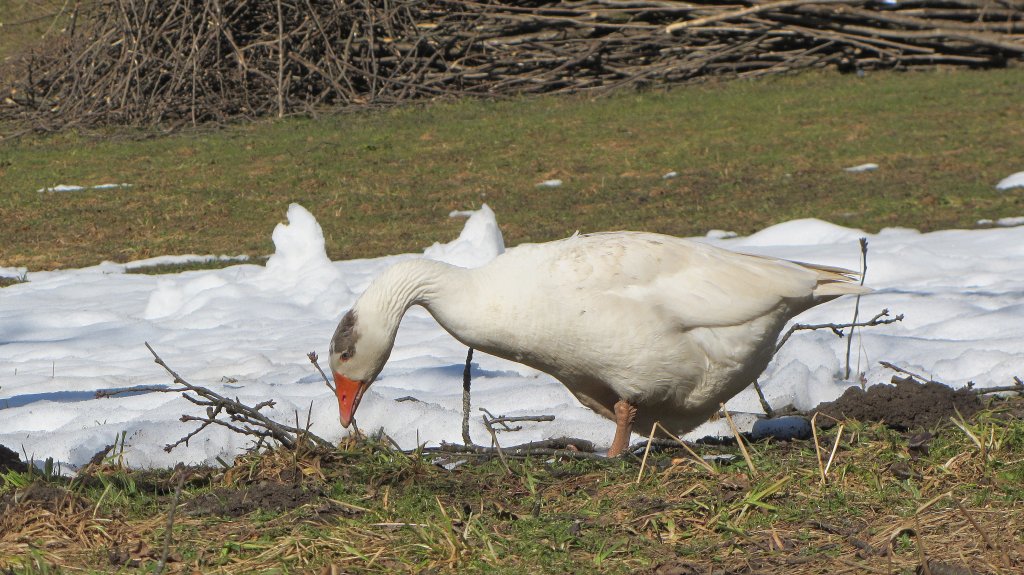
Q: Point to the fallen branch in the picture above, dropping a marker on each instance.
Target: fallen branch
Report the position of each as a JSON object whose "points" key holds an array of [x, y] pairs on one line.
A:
{"points": [[504, 420], [239, 417], [920, 378], [1018, 383], [496, 445], [562, 447], [1018, 387]]}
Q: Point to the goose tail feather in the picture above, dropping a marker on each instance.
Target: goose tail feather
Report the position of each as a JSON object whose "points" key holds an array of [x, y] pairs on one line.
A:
{"points": [[834, 282]]}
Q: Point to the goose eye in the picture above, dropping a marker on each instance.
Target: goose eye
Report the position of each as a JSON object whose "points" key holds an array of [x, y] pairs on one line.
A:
{"points": [[345, 356]]}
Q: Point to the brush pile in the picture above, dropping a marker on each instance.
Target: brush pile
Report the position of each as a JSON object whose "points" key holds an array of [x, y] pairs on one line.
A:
{"points": [[188, 62]]}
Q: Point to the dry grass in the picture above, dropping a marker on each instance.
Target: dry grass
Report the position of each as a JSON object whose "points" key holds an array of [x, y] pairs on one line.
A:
{"points": [[364, 508], [50, 525]]}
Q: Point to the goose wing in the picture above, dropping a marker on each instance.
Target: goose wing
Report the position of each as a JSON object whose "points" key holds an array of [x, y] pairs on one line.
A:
{"points": [[691, 283]]}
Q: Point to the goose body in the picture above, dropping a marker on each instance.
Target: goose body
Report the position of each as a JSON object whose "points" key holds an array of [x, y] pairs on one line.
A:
{"points": [[638, 326]]}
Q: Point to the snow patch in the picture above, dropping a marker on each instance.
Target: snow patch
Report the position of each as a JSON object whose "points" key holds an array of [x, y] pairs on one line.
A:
{"points": [[1011, 181], [1002, 222], [720, 234], [802, 232], [12, 272], [181, 260], [62, 188], [74, 188], [300, 269], [479, 242], [244, 331]]}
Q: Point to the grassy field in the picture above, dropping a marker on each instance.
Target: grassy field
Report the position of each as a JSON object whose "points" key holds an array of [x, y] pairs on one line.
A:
{"points": [[748, 154], [858, 499], [24, 23]]}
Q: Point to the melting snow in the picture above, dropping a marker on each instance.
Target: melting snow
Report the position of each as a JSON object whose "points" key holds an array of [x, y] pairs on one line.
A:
{"points": [[244, 331], [1011, 181]]}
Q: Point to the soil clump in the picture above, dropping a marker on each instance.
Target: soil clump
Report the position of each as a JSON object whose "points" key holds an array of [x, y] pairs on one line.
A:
{"points": [[904, 406]]}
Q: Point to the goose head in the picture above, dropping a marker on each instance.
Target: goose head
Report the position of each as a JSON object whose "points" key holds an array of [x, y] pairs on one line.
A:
{"points": [[358, 352]]}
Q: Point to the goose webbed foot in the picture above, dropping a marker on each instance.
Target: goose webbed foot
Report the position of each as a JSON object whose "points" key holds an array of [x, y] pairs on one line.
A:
{"points": [[625, 413]]}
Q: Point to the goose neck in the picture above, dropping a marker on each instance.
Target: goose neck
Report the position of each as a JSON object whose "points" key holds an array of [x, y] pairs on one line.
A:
{"points": [[413, 282]]}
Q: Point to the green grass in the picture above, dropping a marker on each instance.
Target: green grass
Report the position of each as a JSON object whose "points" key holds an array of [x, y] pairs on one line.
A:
{"points": [[385, 512], [748, 154], [26, 24], [157, 269]]}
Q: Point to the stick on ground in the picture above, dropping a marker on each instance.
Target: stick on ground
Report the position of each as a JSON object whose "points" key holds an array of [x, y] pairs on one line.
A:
{"points": [[229, 413], [169, 528], [466, 380]]}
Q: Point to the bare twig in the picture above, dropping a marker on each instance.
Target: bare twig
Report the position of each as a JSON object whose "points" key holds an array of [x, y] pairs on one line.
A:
{"points": [[675, 441], [313, 359], [647, 451], [817, 446], [921, 553], [169, 528], [916, 376], [984, 536], [496, 445], [241, 418], [1018, 388], [739, 441], [837, 328], [280, 61], [832, 455], [856, 306], [1018, 384], [768, 411], [504, 420], [743, 12]]}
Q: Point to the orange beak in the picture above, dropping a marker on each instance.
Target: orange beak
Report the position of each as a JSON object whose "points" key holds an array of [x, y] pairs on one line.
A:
{"points": [[349, 393]]}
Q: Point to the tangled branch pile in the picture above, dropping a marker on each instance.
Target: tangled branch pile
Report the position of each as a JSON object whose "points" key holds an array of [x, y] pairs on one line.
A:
{"points": [[152, 62]]}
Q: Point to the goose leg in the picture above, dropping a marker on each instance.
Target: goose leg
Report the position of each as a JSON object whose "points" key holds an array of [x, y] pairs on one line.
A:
{"points": [[625, 413]]}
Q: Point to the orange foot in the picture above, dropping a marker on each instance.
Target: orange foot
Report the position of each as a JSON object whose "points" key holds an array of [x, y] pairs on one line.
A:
{"points": [[625, 413]]}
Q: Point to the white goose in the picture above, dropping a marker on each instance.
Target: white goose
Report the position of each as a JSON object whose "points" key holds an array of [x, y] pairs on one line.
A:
{"points": [[640, 327]]}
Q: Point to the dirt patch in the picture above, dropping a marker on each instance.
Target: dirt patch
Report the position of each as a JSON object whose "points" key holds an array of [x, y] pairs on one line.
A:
{"points": [[242, 500], [679, 568], [42, 495], [904, 406], [9, 461]]}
